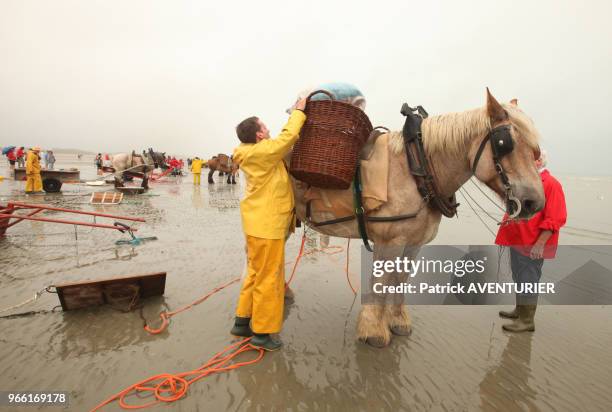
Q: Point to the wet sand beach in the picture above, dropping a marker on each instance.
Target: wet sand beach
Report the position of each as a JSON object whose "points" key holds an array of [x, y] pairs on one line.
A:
{"points": [[457, 358]]}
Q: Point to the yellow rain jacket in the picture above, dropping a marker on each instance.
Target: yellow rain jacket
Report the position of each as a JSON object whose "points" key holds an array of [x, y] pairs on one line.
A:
{"points": [[267, 207], [32, 163], [33, 178], [196, 165]]}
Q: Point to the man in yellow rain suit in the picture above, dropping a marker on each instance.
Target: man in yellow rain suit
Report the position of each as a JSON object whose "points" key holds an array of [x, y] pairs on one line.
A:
{"points": [[267, 214], [196, 169], [33, 179]]}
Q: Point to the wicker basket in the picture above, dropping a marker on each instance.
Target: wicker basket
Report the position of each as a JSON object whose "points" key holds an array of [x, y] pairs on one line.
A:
{"points": [[326, 154]]}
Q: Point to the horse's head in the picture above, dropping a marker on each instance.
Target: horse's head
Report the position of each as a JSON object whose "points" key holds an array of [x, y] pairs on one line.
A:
{"points": [[505, 159], [158, 158]]}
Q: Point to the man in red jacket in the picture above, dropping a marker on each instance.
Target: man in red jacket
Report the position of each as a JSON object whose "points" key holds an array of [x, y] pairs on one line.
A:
{"points": [[12, 158], [20, 157], [531, 241]]}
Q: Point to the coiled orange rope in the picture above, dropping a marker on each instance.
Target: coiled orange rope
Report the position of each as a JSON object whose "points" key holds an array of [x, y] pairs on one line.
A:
{"points": [[168, 387]]}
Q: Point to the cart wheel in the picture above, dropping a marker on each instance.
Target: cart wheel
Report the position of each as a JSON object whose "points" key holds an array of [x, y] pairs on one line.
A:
{"points": [[52, 185]]}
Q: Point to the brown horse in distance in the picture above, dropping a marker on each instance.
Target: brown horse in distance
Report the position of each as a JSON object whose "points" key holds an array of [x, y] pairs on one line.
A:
{"points": [[223, 164]]}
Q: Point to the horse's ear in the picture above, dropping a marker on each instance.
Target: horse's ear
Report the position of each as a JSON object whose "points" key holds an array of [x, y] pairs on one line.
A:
{"points": [[495, 110], [514, 102]]}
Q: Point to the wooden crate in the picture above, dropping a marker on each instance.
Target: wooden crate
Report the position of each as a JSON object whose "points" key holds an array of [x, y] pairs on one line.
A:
{"points": [[106, 198], [90, 293]]}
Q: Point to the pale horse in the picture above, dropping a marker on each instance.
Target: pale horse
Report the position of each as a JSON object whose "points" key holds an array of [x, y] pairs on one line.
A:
{"points": [[451, 144]]}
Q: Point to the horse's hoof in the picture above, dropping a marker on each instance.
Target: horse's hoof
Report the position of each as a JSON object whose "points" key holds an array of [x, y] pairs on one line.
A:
{"points": [[375, 341], [401, 330]]}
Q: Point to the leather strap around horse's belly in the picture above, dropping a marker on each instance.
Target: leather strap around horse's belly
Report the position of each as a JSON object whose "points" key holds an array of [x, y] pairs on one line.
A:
{"points": [[360, 213]]}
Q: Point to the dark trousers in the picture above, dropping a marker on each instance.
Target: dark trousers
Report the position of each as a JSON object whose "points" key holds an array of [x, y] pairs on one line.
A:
{"points": [[525, 270]]}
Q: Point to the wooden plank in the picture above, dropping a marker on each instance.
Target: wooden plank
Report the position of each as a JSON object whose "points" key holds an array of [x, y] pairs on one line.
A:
{"points": [[90, 293]]}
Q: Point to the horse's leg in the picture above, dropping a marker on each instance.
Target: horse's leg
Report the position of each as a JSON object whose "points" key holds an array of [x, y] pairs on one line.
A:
{"points": [[229, 178], [210, 176], [396, 313], [372, 326], [118, 179], [233, 178]]}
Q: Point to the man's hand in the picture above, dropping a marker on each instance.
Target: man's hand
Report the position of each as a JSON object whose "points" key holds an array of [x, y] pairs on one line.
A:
{"points": [[537, 251], [300, 104]]}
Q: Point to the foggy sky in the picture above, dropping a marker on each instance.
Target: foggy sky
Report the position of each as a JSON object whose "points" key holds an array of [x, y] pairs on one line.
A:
{"points": [[178, 76]]}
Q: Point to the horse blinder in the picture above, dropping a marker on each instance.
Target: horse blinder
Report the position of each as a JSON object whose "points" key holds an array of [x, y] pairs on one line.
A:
{"points": [[501, 141]]}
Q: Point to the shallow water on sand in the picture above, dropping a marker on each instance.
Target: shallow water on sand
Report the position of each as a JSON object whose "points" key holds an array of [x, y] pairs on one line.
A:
{"points": [[457, 358]]}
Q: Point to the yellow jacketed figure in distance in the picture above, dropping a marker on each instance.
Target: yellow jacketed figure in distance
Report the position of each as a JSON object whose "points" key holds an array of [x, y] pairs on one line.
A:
{"points": [[267, 214], [196, 169], [33, 179]]}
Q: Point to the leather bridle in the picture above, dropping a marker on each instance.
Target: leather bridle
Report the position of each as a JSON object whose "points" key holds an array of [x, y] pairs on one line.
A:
{"points": [[502, 144]]}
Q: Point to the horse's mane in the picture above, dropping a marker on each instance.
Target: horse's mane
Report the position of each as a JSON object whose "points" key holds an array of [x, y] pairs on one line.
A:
{"points": [[451, 132]]}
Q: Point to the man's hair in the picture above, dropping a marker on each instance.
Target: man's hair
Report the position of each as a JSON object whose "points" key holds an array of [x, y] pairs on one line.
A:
{"points": [[247, 129]]}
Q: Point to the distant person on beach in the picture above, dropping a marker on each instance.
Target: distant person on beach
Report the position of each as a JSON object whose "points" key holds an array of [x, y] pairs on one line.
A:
{"points": [[531, 241], [21, 157], [50, 159], [106, 162], [12, 158], [196, 169], [43, 157], [33, 179], [98, 161], [267, 211]]}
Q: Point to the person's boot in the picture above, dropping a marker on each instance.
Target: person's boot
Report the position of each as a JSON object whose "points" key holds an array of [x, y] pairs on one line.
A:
{"points": [[525, 321], [512, 314], [242, 327], [265, 341]]}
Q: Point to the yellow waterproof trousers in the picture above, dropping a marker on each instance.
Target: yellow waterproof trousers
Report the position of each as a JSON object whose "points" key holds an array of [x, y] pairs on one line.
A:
{"points": [[33, 183], [196, 178], [263, 291]]}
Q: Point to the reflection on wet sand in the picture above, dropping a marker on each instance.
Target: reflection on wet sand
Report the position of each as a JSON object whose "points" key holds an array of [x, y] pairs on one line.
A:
{"points": [[223, 196], [102, 329], [506, 385]]}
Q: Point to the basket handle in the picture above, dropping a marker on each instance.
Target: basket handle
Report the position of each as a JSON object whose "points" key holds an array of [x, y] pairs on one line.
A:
{"points": [[329, 94]]}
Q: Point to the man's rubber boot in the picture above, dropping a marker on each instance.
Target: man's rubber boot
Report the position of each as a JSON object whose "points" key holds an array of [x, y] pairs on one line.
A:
{"points": [[264, 341], [512, 314], [525, 322], [242, 327]]}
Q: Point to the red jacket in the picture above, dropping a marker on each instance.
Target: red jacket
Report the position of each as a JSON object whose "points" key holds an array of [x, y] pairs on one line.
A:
{"points": [[20, 153], [523, 233], [11, 155]]}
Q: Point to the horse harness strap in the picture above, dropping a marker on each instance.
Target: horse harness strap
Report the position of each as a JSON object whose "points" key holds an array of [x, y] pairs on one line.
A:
{"points": [[418, 164], [360, 213], [501, 145]]}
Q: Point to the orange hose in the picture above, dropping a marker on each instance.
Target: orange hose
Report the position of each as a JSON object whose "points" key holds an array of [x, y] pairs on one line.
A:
{"points": [[165, 316], [169, 388]]}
